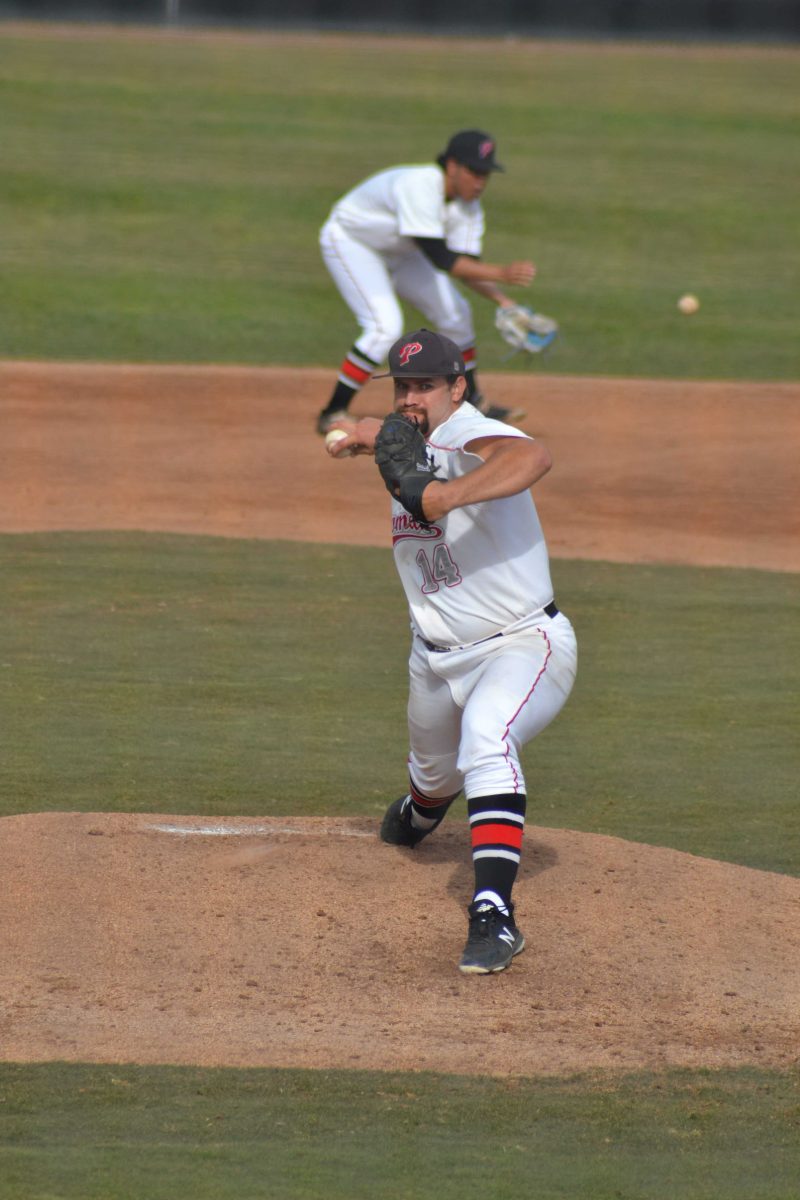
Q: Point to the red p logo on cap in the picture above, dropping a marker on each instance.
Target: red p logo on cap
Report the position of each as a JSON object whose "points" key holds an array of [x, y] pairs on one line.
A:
{"points": [[407, 352]]}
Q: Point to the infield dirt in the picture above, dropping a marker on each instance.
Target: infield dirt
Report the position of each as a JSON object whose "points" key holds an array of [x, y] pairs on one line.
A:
{"points": [[133, 938]]}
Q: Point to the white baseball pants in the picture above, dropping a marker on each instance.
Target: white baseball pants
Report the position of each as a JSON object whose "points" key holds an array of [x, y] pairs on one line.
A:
{"points": [[370, 283], [471, 711]]}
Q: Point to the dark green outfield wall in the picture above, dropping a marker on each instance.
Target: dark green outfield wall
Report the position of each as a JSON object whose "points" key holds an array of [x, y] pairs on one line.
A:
{"points": [[759, 19]]}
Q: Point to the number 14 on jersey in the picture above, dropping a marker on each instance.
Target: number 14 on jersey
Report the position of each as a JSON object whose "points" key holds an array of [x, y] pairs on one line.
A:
{"points": [[437, 569]]}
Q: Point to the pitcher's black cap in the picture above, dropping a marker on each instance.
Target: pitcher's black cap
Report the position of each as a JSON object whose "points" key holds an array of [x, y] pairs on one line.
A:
{"points": [[472, 148], [424, 354]]}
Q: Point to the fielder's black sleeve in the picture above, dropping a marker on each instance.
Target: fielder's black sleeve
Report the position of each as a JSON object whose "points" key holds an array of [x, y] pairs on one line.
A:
{"points": [[436, 251]]}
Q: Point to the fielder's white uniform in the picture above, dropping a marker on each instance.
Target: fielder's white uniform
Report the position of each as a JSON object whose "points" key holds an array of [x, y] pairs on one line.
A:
{"points": [[367, 244], [477, 698]]}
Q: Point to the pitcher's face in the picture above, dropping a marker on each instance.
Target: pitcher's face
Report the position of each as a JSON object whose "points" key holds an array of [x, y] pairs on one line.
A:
{"points": [[428, 401]]}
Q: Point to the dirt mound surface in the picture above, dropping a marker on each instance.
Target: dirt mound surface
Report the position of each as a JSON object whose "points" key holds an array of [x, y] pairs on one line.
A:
{"points": [[308, 943]]}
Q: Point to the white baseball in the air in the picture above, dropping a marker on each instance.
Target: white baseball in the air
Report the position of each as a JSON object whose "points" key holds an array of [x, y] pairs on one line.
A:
{"points": [[688, 304]]}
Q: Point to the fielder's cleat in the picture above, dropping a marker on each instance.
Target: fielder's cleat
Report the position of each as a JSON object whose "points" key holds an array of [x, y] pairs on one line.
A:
{"points": [[496, 412], [396, 827], [326, 420], [492, 941]]}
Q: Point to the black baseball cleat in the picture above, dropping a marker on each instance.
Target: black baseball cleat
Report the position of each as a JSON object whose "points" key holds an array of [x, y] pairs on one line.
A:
{"points": [[496, 412], [396, 827], [492, 941], [326, 420]]}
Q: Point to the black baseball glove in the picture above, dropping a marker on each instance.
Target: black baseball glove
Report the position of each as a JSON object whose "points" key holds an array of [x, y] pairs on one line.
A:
{"points": [[401, 453]]}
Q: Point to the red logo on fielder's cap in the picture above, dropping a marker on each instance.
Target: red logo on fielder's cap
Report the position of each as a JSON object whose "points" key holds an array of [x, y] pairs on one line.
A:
{"points": [[473, 148], [408, 351]]}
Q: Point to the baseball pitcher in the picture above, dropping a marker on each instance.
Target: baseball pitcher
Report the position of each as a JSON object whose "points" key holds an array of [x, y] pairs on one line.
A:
{"points": [[492, 659]]}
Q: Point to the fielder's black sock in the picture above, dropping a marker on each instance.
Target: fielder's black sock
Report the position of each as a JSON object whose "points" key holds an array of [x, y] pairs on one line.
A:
{"points": [[341, 397], [355, 371], [473, 390], [496, 825]]}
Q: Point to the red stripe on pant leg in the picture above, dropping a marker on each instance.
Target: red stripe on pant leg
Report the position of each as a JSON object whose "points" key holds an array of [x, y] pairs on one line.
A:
{"points": [[469, 356], [497, 835]]}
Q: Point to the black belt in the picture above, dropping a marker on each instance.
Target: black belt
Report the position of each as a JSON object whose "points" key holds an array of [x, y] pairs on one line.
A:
{"points": [[549, 609]]}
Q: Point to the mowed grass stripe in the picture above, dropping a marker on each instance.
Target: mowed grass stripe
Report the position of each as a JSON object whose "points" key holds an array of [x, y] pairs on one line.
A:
{"points": [[214, 676], [123, 1132]]}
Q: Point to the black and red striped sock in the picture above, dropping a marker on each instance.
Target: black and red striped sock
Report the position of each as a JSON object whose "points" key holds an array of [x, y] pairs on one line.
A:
{"points": [[428, 812], [355, 371], [496, 827]]}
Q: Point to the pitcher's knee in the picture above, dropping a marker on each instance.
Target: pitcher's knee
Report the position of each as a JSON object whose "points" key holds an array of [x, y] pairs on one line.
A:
{"points": [[438, 777]]}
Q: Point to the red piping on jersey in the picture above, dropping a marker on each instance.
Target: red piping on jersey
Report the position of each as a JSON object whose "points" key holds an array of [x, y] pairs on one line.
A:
{"points": [[476, 437]]}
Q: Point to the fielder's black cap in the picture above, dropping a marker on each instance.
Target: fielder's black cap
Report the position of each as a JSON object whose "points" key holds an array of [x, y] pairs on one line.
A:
{"points": [[472, 148], [424, 355]]}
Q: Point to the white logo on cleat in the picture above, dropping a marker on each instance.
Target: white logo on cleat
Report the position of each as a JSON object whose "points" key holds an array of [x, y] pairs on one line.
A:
{"points": [[506, 936]]}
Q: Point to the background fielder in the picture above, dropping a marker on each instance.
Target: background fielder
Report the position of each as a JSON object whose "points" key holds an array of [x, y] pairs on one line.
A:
{"points": [[492, 659], [404, 234]]}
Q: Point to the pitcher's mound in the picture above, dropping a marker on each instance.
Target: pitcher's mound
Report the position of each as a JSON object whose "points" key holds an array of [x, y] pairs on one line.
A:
{"points": [[308, 943]]}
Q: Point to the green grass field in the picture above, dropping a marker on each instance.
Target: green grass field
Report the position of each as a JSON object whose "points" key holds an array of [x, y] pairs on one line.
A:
{"points": [[181, 675], [126, 1133], [160, 202], [165, 195]]}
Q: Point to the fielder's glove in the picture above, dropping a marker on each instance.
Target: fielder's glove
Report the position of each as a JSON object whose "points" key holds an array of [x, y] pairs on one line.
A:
{"points": [[524, 329], [401, 453]]}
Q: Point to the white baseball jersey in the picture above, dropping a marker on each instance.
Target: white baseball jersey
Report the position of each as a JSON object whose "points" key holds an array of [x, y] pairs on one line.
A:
{"points": [[407, 202], [480, 569]]}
